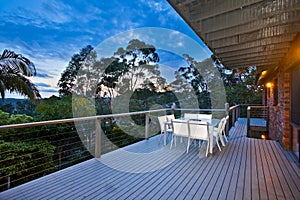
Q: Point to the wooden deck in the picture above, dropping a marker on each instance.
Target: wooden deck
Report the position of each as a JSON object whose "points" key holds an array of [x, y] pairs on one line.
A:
{"points": [[244, 169]]}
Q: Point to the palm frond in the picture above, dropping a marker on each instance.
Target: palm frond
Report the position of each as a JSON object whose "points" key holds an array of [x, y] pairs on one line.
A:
{"points": [[14, 70], [21, 85], [10, 62]]}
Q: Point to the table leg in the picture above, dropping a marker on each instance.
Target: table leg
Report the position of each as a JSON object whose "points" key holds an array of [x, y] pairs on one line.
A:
{"points": [[165, 134], [211, 141]]}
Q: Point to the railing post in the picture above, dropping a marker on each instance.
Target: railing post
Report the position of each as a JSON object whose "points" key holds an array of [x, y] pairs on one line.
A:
{"points": [[226, 109], [248, 120], [233, 117], [227, 114], [147, 126], [98, 138]]}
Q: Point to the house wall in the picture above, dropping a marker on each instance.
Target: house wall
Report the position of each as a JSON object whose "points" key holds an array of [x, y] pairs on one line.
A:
{"points": [[279, 115]]}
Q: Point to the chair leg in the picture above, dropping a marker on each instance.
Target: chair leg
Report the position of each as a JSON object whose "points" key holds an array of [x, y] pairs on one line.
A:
{"points": [[207, 148], [172, 142], [159, 138], [218, 143], [221, 138], [225, 136], [188, 145], [200, 145]]}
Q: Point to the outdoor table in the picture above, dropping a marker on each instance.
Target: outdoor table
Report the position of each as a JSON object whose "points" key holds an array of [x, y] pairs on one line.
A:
{"points": [[211, 123]]}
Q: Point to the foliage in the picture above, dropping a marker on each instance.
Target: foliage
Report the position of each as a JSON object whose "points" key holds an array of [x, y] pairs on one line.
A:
{"points": [[240, 85], [68, 77], [25, 107], [118, 137], [14, 70], [196, 77], [6, 118], [23, 156], [69, 147], [24, 161], [54, 108]]}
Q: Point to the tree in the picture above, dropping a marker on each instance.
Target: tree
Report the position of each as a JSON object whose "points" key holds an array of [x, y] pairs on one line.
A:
{"points": [[197, 78], [68, 77], [240, 84], [14, 72]]}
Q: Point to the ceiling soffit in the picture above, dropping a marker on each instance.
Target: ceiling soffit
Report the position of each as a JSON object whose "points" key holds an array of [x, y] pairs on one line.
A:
{"points": [[244, 32]]}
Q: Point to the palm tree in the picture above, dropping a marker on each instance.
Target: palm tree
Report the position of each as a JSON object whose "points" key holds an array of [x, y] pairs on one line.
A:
{"points": [[14, 72]]}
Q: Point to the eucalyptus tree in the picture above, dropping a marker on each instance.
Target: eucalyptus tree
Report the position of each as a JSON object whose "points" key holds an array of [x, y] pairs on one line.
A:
{"points": [[69, 75]]}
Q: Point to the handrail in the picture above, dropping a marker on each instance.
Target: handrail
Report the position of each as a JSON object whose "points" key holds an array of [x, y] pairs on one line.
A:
{"points": [[264, 115], [61, 156], [233, 107], [204, 109], [61, 121]]}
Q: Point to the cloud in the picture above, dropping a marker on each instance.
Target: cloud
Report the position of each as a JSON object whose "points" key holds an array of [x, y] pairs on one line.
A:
{"points": [[38, 13], [42, 85], [49, 91], [40, 75]]}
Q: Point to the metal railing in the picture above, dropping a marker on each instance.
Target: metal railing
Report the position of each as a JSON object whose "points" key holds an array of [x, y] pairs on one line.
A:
{"points": [[257, 120], [295, 135], [32, 150]]}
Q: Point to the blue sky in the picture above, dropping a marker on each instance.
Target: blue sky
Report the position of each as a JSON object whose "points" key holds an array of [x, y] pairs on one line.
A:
{"points": [[49, 32]]}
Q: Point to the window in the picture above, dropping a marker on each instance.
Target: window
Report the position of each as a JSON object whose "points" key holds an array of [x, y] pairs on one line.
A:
{"points": [[295, 95]]}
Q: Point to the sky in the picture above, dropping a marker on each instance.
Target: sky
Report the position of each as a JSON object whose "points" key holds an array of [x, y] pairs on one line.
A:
{"points": [[49, 32]]}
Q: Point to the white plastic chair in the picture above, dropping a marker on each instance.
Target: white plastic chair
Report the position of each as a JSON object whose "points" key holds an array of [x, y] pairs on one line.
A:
{"points": [[163, 129], [170, 117], [204, 116], [218, 133], [224, 127], [200, 131], [190, 116], [180, 128]]}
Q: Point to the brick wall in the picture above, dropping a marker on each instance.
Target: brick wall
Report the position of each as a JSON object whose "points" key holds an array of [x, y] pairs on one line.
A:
{"points": [[279, 118]]}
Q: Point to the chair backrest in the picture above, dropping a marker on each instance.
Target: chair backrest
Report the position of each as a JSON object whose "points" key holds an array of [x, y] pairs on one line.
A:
{"points": [[204, 116], [180, 127], [198, 130], [170, 117], [190, 116], [226, 119], [221, 125], [161, 120]]}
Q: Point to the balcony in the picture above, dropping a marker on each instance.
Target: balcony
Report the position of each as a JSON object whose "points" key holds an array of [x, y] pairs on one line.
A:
{"points": [[246, 168]]}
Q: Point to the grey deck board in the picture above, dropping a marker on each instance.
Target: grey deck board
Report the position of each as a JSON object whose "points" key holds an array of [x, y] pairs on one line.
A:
{"points": [[244, 177], [267, 172], [286, 174], [236, 164], [244, 169], [218, 176], [261, 184], [254, 172], [235, 173]]}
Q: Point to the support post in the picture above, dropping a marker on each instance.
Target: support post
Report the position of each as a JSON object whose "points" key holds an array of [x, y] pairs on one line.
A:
{"points": [[227, 114], [226, 109], [98, 138], [233, 117], [248, 120], [147, 126]]}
